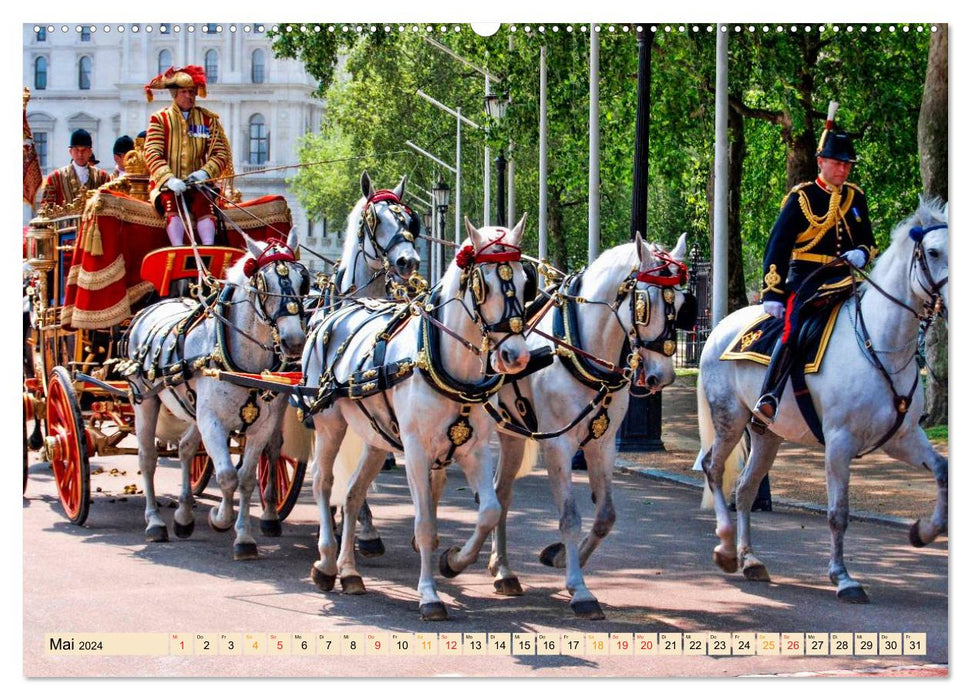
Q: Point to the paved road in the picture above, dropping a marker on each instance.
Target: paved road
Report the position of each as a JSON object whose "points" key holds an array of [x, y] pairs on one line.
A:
{"points": [[653, 574]]}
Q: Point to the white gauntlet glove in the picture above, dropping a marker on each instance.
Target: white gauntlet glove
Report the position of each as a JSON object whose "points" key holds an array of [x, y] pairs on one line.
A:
{"points": [[197, 176], [855, 257], [774, 308], [175, 185]]}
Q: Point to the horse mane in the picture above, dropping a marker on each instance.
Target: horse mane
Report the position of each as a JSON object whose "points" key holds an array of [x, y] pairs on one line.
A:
{"points": [[929, 211], [350, 233], [622, 258]]}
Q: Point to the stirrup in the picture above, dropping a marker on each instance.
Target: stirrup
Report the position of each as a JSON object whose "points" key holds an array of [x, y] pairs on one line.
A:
{"points": [[758, 413]]}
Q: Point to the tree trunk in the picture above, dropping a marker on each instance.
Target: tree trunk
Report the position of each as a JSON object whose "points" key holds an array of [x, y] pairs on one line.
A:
{"points": [[932, 146]]}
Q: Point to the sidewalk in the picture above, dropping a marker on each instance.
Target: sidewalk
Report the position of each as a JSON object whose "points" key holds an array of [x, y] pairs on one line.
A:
{"points": [[880, 488]]}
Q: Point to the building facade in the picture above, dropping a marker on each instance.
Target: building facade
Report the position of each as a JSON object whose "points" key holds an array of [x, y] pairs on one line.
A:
{"points": [[93, 77]]}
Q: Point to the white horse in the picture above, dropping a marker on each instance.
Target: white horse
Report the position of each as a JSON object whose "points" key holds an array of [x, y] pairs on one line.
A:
{"points": [[621, 311], [867, 394], [256, 322], [413, 378]]}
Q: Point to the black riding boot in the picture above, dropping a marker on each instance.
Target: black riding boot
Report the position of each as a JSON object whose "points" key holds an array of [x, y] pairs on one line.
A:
{"points": [[774, 384]]}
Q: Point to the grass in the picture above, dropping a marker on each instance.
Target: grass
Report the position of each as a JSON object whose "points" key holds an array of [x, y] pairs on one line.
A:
{"points": [[687, 376], [937, 433]]}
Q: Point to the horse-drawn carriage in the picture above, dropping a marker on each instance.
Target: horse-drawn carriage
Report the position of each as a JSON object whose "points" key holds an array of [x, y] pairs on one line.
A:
{"points": [[88, 266]]}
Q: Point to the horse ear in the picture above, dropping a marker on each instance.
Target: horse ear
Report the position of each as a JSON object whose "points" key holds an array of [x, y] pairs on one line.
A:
{"points": [[643, 254], [518, 230], [399, 190], [367, 189], [681, 248], [253, 248], [473, 234], [293, 240]]}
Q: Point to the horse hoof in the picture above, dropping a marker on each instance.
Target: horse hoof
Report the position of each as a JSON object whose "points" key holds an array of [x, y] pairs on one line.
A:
{"points": [[548, 556], [245, 551], [271, 528], [728, 564], [587, 610], [443, 567], [371, 548], [184, 531], [508, 586], [324, 582], [157, 533], [353, 585], [914, 534], [853, 594], [433, 612], [217, 528], [756, 572]]}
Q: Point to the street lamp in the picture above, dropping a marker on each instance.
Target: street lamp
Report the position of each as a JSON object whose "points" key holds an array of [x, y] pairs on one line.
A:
{"points": [[441, 194], [495, 106], [426, 220]]}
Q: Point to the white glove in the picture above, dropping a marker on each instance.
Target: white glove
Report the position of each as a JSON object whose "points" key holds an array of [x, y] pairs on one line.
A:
{"points": [[197, 176], [855, 257], [175, 185], [774, 308]]}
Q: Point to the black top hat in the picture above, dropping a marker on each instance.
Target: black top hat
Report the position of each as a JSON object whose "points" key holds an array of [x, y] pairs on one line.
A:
{"points": [[80, 137], [838, 146], [123, 144]]}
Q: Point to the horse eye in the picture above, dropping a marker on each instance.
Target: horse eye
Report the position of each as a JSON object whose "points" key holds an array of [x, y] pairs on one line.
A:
{"points": [[933, 253]]}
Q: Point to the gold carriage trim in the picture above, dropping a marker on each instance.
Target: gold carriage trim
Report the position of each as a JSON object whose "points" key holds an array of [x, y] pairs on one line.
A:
{"points": [[751, 332], [103, 318], [93, 281], [772, 280]]}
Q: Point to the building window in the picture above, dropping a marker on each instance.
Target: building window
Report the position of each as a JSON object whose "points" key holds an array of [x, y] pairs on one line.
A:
{"points": [[85, 33], [40, 73], [40, 147], [212, 66], [259, 140], [84, 73], [164, 60], [41, 33], [259, 66]]}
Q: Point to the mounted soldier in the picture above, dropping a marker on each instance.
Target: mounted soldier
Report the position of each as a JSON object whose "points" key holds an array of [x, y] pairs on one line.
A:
{"points": [[821, 222], [184, 145]]}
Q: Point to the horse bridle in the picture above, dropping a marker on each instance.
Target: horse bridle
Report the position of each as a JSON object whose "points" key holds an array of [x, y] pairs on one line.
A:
{"points": [[408, 226], [278, 255], [935, 302]]}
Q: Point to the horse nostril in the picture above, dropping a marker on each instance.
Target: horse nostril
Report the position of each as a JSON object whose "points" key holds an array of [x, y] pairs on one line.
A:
{"points": [[652, 380]]}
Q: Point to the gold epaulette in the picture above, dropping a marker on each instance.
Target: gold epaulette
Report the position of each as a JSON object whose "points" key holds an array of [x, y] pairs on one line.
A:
{"points": [[793, 191]]}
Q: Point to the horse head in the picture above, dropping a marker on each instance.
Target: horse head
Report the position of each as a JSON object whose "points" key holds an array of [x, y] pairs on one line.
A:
{"points": [[386, 229], [928, 229], [493, 283], [659, 305], [279, 284]]}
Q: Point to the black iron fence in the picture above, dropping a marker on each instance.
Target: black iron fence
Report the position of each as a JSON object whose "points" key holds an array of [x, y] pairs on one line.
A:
{"points": [[690, 343]]}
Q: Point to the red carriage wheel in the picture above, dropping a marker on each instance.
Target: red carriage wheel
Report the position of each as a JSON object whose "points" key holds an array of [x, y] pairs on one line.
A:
{"points": [[66, 445], [200, 473], [288, 478]]}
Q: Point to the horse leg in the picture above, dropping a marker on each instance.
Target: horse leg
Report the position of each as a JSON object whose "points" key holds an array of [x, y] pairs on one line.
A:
{"points": [[417, 467], [146, 419], [510, 456], [600, 461], [369, 539], [764, 449], [478, 467], [270, 519], [838, 456], [437, 477], [329, 435], [729, 426], [372, 460], [244, 546], [215, 438], [916, 450], [185, 520]]}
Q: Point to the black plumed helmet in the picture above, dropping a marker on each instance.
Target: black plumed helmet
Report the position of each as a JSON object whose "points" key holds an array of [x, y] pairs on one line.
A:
{"points": [[837, 145]]}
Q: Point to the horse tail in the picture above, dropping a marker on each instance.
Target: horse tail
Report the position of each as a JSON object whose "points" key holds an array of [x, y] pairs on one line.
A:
{"points": [[345, 464], [298, 439], [706, 432]]}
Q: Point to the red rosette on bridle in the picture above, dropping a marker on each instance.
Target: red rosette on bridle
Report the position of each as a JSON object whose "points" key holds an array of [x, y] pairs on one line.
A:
{"points": [[465, 258]]}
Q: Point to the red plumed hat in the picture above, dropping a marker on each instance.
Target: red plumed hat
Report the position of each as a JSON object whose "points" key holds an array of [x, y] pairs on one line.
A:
{"points": [[177, 78]]}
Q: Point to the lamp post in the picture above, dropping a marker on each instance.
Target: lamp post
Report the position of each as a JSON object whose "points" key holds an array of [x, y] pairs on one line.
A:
{"points": [[496, 109], [441, 193], [427, 219]]}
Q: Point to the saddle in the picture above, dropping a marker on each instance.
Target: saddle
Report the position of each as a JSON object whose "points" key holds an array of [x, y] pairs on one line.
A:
{"points": [[756, 341]]}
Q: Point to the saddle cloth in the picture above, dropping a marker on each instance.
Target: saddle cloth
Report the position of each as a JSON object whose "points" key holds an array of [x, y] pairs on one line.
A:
{"points": [[756, 341]]}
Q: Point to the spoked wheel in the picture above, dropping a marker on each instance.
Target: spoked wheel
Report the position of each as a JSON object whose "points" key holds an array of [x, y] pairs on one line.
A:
{"points": [[66, 446], [200, 473], [288, 479]]}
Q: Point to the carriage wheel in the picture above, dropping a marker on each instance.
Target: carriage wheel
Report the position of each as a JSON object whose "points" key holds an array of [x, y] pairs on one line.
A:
{"points": [[288, 479], [200, 473], [66, 445]]}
